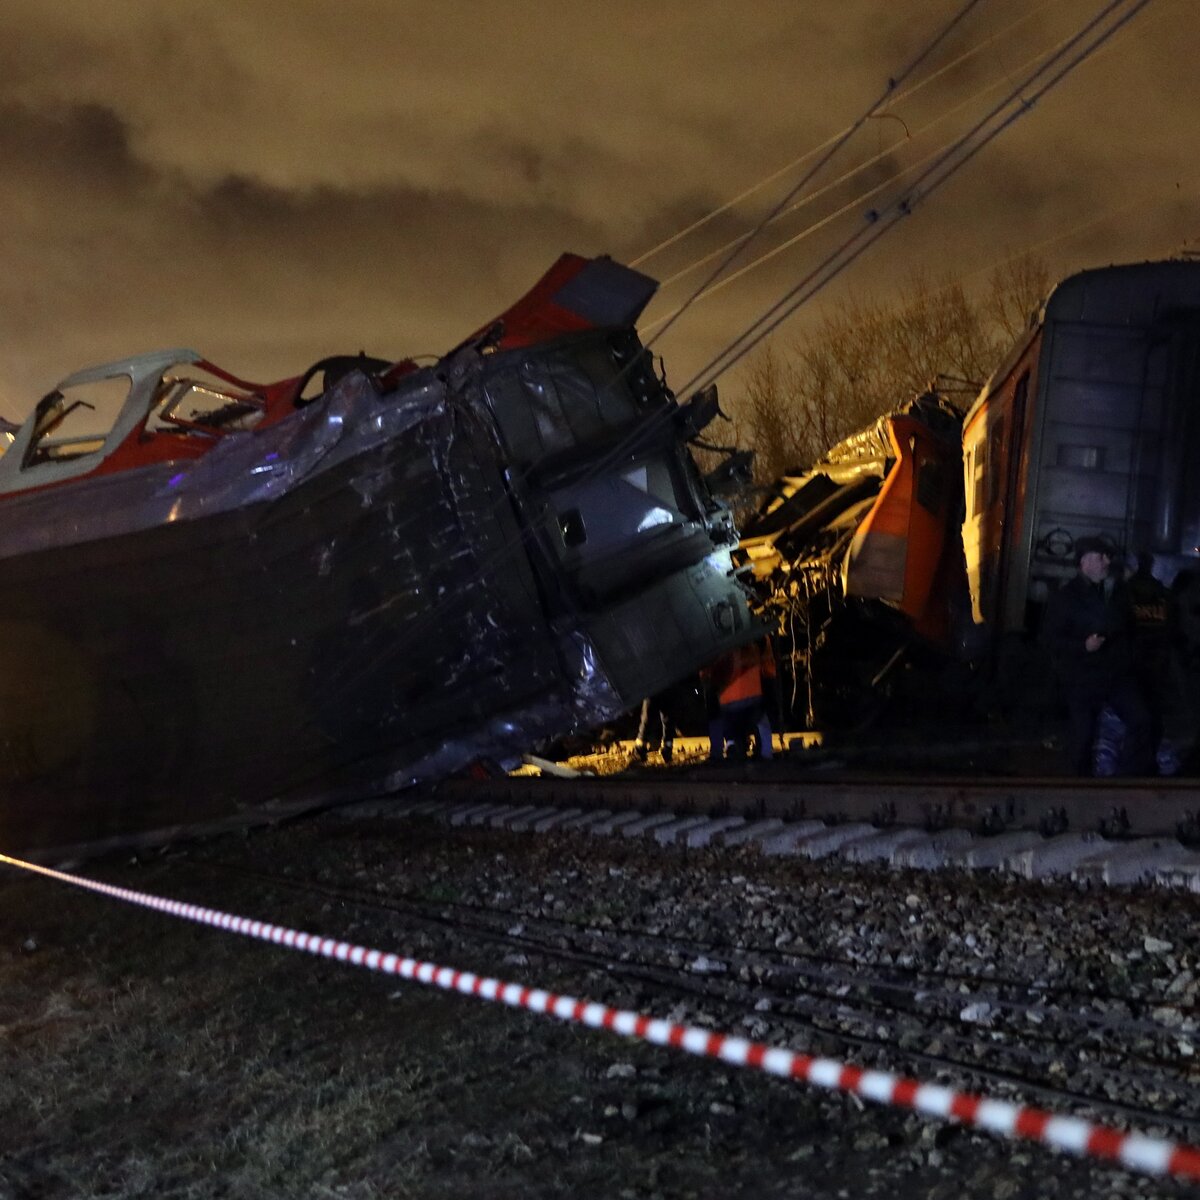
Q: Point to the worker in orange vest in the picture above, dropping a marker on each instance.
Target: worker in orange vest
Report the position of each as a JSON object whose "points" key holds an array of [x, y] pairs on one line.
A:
{"points": [[737, 678]]}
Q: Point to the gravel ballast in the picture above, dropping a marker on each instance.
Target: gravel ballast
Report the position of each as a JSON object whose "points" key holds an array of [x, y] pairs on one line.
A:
{"points": [[140, 1056]]}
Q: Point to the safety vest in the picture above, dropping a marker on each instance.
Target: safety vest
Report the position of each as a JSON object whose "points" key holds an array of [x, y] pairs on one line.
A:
{"points": [[739, 674]]}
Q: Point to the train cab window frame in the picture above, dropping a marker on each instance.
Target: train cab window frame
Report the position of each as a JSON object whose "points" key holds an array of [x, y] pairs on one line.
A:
{"points": [[189, 405], [75, 421]]}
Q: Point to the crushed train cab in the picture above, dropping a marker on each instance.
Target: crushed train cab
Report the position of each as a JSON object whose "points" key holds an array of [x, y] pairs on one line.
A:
{"points": [[215, 593], [861, 555]]}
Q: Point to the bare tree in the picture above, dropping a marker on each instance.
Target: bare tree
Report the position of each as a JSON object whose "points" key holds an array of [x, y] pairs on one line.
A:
{"points": [[1016, 290], [767, 418], [867, 356]]}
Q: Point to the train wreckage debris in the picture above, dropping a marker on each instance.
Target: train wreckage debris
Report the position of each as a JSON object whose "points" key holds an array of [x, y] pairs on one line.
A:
{"points": [[216, 593]]}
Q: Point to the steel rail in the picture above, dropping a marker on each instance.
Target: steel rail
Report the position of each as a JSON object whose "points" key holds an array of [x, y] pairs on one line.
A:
{"points": [[1017, 1058], [1111, 807]]}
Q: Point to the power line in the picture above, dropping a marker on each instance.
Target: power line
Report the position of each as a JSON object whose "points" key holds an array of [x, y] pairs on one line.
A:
{"points": [[701, 222], [877, 223], [832, 149], [849, 205]]}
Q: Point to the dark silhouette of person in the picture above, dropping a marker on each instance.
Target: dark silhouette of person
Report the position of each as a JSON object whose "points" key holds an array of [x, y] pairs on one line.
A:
{"points": [[1153, 633], [1088, 631], [1185, 613]]}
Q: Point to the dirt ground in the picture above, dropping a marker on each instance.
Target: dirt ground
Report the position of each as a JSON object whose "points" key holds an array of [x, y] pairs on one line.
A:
{"points": [[143, 1056]]}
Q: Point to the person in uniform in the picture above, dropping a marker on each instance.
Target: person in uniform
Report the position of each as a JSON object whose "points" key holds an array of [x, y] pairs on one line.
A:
{"points": [[1153, 635], [1087, 629]]}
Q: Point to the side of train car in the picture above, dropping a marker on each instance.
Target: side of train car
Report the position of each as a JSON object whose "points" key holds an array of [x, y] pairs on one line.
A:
{"points": [[228, 593], [1091, 426]]}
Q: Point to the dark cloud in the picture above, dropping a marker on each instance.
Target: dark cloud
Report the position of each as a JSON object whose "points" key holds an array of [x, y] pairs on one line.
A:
{"points": [[277, 181], [85, 144]]}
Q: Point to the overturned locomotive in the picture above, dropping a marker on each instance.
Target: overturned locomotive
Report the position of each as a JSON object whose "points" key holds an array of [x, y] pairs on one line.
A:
{"points": [[215, 593]]}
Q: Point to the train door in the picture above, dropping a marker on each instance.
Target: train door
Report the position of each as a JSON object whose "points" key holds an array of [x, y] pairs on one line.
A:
{"points": [[1007, 479], [1099, 446], [994, 497], [1174, 520], [974, 550]]}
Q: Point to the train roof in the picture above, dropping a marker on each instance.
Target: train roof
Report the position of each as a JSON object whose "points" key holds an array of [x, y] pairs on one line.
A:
{"points": [[1134, 294], [1126, 293]]}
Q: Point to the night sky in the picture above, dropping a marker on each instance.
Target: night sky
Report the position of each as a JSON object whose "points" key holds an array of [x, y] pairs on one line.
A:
{"points": [[270, 182]]}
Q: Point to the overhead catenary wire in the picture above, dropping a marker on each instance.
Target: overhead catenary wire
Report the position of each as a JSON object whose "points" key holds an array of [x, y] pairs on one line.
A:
{"points": [[1063, 235], [792, 194], [829, 151], [876, 224], [821, 223], [780, 172], [813, 228], [810, 197]]}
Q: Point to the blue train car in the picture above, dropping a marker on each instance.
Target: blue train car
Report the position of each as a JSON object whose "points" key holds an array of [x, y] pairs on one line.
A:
{"points": [[1090, 427]]}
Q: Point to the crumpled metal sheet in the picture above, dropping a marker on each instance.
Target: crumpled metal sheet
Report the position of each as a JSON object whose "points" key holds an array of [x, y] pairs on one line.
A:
{"points": [[238, 471], [342, 604], [375, 591]]}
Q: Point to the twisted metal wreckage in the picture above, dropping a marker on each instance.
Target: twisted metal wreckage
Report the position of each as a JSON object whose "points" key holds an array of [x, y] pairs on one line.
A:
{"points": [[860, 558], [216, 593]]}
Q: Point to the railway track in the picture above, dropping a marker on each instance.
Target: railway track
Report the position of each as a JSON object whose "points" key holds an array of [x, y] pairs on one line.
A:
{"points": [[1103, 832], [1008, 1031], [1058, 996], [1098, 831]]}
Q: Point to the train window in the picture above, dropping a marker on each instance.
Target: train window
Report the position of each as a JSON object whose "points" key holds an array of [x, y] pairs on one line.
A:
{"points": [[1022, 390], [995, 458], [977, 477], [75, 421], [196, 406], [1112, 356], [1082, 458], [930, 486]]}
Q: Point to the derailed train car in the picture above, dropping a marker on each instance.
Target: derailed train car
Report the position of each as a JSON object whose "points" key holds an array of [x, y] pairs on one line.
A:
{"points": [[1091, 426], [860, 558], [213, 592]]}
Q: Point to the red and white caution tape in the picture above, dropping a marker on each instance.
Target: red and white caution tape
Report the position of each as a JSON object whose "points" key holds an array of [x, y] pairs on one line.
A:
{"points": [[1139, 1152]]}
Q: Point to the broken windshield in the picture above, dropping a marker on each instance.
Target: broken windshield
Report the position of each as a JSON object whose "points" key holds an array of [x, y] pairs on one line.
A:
{"points": [[74, 421], [196, 406]]}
